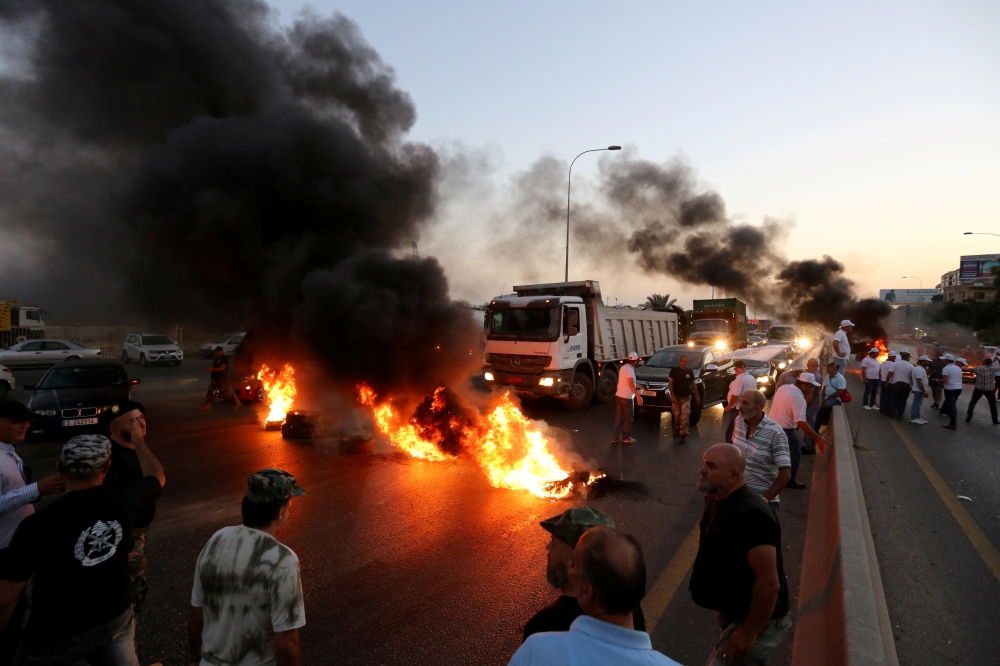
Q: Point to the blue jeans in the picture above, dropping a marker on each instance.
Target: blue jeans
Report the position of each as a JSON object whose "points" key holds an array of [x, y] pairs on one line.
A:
{"points": [[950, 407], [824, 413], [812, 409], [871, 391], [794, 450], [918, 399], [623, 419], [841, 365], [108, 644]]}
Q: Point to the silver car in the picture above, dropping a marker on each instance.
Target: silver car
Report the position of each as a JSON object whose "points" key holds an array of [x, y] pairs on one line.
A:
{"points": [[151, 348], [45, 352], [229, 343]]}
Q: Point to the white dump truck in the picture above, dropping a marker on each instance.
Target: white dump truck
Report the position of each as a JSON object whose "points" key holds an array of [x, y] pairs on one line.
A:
{"points": [[560, 340], [19, 323]]}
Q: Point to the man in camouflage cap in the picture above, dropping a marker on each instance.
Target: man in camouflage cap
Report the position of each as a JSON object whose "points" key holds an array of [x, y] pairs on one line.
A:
{"points": [[240, 566], [85, 454], [566, 530]]}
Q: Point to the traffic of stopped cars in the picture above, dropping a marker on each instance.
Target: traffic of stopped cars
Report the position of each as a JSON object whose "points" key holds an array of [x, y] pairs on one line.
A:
{"points": [[151, 348], [764, 363], [712, 376], [40, 353]]}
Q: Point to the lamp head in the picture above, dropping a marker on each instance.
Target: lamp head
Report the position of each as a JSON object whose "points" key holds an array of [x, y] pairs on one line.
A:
{"points": [[614, 147]]}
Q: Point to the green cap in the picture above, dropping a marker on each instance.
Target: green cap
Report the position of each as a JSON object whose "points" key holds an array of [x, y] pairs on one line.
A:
{"points": [[570, 525], [272, 485]]}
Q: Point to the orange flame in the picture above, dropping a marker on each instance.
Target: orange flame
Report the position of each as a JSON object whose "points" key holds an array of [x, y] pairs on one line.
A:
{"points": [[280, 389], [883, 353], [511, 448]]}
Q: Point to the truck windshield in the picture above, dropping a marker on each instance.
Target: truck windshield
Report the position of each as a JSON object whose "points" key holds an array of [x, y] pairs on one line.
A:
{"points": [[523, 323], [782, 333], [710, 325], [672, 359]]}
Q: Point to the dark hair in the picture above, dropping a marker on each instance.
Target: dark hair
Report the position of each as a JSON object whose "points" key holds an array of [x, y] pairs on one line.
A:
{"points": [[261, 514], [618, 586], [987, 361]]}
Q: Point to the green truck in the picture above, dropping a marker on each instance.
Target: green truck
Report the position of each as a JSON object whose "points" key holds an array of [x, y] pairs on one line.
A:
{"points": [[718, 321]]}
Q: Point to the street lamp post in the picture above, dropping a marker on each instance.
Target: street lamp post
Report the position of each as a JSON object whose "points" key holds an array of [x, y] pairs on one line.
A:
{"points": [[569, 185], [910, 277]]}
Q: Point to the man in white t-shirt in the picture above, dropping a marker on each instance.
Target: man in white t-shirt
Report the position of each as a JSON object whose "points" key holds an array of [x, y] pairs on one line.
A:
{"points": [[744, 381], [623, 401], [841, 347], [869, 375], [788, 410], [883, 374], [919, 386], [898, 385], [247, 597], [951, 379]]}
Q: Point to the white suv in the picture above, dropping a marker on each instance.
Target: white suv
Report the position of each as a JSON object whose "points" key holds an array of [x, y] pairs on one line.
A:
{"points": [[151, 348]]}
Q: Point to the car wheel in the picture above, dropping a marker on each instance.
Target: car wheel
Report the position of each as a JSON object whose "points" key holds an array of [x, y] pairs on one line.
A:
{"points": [[142, 359], [580, 393], [72, 358], [607, 385], [124, 356], [261, 394], [4, 390]]}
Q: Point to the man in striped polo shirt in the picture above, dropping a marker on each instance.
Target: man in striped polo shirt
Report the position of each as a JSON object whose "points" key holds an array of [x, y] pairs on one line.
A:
{"points": [[765, 447]]}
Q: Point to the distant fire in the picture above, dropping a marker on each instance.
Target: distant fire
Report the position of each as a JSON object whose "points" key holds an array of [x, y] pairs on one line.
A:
{"points": [[883, 353], [512, 450], [280, 389]]}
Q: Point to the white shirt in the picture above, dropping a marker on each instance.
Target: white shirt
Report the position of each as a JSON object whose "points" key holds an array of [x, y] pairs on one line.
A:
{"points": [[870, 366], [624, 373], [902, 371], [952, 376], [15, 496], [918, 373], [743, 382], [788, 407], [589, 642], [841, 347], [884, 369]]}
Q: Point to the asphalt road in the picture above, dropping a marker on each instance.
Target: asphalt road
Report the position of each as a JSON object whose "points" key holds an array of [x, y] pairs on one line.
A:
{"points": [[942, 597], [405, 561]]}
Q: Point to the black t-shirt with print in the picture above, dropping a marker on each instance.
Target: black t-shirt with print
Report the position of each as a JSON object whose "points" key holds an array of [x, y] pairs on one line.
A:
{"points": [[722, 579], [76, 553], [218, 362], [683, 380], [558, 615]]}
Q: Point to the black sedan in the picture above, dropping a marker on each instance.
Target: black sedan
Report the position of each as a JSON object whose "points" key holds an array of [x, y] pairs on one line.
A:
{"points": [[71, 396], [713, 385]]}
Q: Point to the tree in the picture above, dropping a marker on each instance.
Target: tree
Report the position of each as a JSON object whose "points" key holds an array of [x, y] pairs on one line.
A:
{"points": [[660, 303]]}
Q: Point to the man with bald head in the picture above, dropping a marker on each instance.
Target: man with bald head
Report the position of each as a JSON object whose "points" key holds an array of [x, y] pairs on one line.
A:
{"points": [[764, 446], [738, 572], [609, 580]]}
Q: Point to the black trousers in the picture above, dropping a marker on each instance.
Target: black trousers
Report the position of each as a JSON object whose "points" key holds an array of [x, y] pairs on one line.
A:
{"points": [[899, 393], [884, 399], [990, 398]]}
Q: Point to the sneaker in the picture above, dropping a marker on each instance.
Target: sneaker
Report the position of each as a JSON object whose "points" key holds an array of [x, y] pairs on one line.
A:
{"points": [[795, 485], [968, 419], [935, 406], [628, 440], [949, 426], [204, 408], [918, 421], [616, 441], [866, 407], [942, 414], [808, 452]]}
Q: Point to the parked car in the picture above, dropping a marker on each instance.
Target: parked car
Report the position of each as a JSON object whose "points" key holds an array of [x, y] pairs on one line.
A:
{"points": [[764, 363], [151, 348], [713, 385], [6, 381], [229, 344], [73, 395], [45, 352]]}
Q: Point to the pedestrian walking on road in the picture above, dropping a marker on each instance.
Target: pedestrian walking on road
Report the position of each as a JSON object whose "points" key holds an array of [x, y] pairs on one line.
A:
{"points": [[935, 378], [898, 381], [738, 571], [75, 553], [742, 382], [609, 580], [246, 602], [869, 375], [16, 497], [788, 410], [131, 461], [682, 393], [883, 373], [220, 382], [986, 385], [566, 530], [951, 377], [920, 386], [833, 387], [841, 346], [623, 401], [765, 448]]}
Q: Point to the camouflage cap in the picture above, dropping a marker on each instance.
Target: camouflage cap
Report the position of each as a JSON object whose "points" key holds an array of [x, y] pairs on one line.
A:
{"points": [[570, 525], [85, 453], [272, 485]]}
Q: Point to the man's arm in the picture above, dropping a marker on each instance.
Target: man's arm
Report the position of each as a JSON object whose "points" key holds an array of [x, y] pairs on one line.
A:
{"points": [[784, 475], [10, 594], [631, 385], [216, 369], [763, 562], [148, 462], [920, 385], [286, 648], [196, 622], [807, 429], [18, 497]]}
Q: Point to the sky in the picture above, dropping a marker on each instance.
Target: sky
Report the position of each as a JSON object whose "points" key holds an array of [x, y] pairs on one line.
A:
{"points": [[875, 127]]}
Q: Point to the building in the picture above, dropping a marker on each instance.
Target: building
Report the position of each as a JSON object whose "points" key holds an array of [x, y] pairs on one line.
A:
{"points": [[973, 279], [950, 279], [980, 291]]}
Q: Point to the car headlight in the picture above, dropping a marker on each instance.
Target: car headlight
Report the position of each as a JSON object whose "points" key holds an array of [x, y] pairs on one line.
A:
{"points": [[488, 376], [803, 342], [763, 379], [45, 412], [546, 381], [782, 365], [721, 344]]}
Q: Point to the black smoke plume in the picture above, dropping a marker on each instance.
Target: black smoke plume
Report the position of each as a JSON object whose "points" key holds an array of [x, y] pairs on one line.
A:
{"points": [[195, 162]]}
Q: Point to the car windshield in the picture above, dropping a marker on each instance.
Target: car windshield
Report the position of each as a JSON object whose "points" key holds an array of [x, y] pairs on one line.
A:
{"points": [[712, 325], [523, 323], [61, 378], [156, 340], [751, 363], [671, 359], [782, 333]]}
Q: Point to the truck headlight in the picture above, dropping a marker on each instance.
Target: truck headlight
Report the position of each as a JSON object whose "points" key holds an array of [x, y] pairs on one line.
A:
{"points": [[803, 342], [488, 376], [721, 344], [546, 381]]}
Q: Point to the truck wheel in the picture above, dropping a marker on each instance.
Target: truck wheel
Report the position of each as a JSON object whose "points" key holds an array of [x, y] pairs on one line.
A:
{"points": [[142, 359], [580, 393], [696, 410], [607, 385]]}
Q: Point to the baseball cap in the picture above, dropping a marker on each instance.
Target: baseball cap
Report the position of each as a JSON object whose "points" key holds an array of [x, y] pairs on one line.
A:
{"points": [[904, 350], [632, 356], [272, 485], [85, 453], [570, 525], [925, 357], [847, 322], [948, 357], [739, 363], [891, 353], [874, 350], [15, 411], [808, 378], [961, 360], [123, 407]]}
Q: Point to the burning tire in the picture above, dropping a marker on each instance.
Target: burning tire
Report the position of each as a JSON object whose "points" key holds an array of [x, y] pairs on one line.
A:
{"points": [[302, 424], [581, 393], [607, 385]]}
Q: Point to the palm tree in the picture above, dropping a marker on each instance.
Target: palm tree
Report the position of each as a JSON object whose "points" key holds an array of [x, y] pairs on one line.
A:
{"points": [[662, 303]]}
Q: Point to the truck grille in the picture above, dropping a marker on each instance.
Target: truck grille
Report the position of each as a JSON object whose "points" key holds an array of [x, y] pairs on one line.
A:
{"points": [[73, 413], [521, 365]]}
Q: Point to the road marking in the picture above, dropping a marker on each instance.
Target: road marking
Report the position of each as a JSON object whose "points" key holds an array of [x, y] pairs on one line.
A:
{"points": [[979, 540], [656, 602]]}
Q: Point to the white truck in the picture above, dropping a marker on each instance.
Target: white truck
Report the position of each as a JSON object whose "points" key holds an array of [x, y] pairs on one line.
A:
{"points": [[19, 323], [559, 340]]}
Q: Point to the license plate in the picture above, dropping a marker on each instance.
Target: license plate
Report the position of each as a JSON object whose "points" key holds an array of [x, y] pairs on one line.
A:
{"points": [[514, 380], [651, 394], [77, 422]]}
